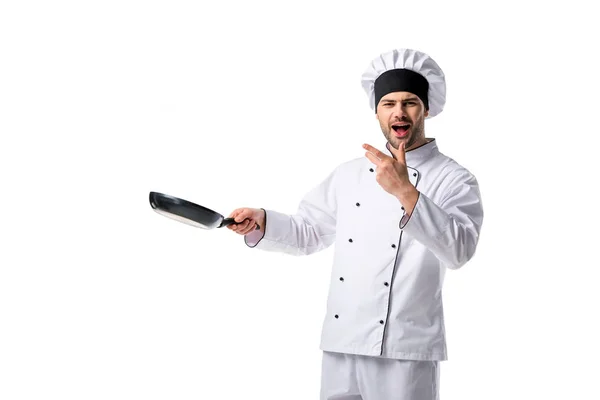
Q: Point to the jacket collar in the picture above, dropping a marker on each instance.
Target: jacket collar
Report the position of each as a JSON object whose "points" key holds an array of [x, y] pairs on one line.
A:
{"points": [[419, 154]]}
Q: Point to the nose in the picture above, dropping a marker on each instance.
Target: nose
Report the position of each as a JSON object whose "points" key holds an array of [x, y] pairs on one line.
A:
{"points": [[399, 112]]}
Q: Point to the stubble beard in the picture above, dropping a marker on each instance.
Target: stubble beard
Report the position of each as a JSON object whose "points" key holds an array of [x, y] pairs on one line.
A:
{"points": [[417, 132]]}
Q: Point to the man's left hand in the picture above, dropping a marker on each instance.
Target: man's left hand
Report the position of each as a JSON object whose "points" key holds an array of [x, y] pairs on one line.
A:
{"points": [[392, 174]]}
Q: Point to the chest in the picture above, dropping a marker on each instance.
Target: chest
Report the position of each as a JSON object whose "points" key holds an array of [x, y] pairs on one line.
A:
{"points": [[363, 202]]}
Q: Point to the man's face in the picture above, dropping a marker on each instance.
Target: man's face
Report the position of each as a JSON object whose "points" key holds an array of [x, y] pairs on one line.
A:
{"points": [[401, 116]]}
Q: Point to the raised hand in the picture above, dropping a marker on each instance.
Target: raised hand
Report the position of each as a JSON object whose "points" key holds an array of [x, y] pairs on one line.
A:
{"points": [[392, 174]]}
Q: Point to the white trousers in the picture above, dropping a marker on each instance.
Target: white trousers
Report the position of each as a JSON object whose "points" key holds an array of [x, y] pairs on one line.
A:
{"points": [[354, 377]]}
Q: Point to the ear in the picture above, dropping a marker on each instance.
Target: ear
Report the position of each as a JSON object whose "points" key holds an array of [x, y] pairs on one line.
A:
{"points": [[426, 113]]}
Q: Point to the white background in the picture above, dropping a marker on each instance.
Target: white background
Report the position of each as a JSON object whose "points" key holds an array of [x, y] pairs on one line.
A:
{"points": [[252, 104]]}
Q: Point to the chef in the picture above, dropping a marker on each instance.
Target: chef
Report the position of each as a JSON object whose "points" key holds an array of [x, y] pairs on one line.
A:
{"points": [[398, 218]]}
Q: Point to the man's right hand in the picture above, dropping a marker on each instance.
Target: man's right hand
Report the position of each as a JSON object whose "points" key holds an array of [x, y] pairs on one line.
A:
{"points": [[252, 216]]}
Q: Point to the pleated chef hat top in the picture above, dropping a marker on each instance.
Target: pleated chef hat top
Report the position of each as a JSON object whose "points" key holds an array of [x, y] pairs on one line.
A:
{"points": [[406, 70]]}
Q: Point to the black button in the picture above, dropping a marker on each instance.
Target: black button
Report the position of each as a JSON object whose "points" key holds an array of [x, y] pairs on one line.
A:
{"points": [[371, 169], [337, 316], [402, 208], [381, 322], [357, 204], [394, 246], [350, 240], [386, 284], [415, 174], [341, 279]]}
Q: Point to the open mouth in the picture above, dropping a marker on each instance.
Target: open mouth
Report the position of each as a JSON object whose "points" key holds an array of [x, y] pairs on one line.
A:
{"points": [[401, 129]]}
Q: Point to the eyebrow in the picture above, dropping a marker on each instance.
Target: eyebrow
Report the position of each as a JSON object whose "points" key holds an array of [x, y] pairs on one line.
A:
{"points": [[393, 101]]}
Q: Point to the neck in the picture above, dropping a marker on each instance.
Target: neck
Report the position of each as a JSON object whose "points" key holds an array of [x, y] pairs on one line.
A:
{"points": [[419, 142]]}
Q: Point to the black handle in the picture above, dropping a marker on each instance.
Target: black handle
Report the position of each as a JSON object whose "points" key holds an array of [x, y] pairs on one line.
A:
{"points": [[230, 221]]}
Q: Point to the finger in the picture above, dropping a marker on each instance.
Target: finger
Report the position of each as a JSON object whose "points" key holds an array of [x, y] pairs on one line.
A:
{"points": [[242, 215], [375, 151], [373, 159], [400, 153], [234, 226], [235, 212], [243, 225], [250, 228], [233, 215]]}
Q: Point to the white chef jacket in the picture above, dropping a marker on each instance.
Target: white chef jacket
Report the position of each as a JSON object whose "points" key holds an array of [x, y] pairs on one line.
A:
{"points": [[385, 295]]}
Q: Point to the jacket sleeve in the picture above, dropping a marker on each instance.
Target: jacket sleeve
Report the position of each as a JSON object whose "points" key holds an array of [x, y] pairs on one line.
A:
{"points": [[311, 229], [451, 229]]}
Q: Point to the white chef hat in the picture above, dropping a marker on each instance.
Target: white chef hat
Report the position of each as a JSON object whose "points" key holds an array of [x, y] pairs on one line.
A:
{"points": [[406, 70]]}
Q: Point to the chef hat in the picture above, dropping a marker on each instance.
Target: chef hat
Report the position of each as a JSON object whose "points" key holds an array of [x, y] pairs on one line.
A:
{"points": [[406, 70]]}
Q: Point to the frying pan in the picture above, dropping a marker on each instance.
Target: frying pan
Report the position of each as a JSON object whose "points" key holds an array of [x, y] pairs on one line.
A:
{"points": [[188, 212]]}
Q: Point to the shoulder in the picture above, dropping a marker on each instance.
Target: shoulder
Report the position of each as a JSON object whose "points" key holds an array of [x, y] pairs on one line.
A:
{"points": [[457, 181], [354, 165], [344, 171], [452, 171]]}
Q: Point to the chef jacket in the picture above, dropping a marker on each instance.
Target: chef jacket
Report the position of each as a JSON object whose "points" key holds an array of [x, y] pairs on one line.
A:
{"points": [[385, 295]]}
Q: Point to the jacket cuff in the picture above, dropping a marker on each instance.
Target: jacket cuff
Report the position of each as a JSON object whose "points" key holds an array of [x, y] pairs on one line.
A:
{"points": [[427, 222], [406, 217], [253, 238], [276, 227]]}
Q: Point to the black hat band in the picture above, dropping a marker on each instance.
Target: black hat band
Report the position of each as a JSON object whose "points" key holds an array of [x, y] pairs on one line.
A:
{"points": [[401, 80]]}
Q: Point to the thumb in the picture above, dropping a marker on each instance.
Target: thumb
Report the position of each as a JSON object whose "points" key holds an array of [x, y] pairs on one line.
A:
{"points": [[242, 215], [234, 213]]}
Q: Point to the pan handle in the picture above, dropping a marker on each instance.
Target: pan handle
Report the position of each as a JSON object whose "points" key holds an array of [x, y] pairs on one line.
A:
{"points": [[229, 221]]}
